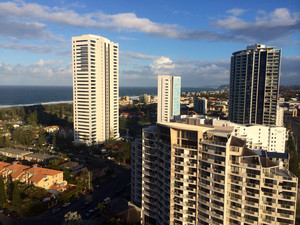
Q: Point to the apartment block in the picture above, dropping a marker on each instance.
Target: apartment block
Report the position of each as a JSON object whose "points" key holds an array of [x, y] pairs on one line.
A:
{"points": [[258, 137], [254, 85], [136, 169], [168, 97], [95, 61], [201, 174], [41, 177], [200, 105]]}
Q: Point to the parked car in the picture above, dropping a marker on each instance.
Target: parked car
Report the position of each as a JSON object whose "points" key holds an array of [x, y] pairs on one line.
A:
{"points": [[66, 204], [55, 210], [14, 215]]}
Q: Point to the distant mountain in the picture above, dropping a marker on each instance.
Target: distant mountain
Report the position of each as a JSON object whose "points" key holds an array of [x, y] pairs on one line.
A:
{"points": [[223, 87]]}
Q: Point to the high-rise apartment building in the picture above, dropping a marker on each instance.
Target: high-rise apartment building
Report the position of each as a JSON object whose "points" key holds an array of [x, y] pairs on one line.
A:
{"points": [[254, 85], [168, 97], [200, 174], [95, 61], [200, 105]]}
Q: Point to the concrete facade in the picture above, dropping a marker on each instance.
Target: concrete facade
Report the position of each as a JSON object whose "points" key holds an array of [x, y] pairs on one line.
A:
{"points": [[95, 89], [168, 97], [254, 85], [200, 174]]}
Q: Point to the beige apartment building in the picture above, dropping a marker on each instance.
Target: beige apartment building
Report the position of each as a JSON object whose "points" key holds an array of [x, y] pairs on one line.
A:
{"points": [[200, 174], [95, 61], [41, 177]]}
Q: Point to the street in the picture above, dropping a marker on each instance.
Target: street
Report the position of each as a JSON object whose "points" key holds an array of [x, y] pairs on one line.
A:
{"points": [[109, 189]]}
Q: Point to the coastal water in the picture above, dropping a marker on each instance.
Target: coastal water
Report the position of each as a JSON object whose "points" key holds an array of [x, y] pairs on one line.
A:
{"points": [[31, 95]]}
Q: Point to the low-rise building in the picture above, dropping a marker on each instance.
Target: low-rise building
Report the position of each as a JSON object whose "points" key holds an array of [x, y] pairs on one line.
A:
{"points": [[51, 129], [19, 154], [41, 177], [14, 153]]}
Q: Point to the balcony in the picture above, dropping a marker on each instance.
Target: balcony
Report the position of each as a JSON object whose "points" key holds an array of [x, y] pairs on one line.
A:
{"points": [[212, 142], [285, 215]]}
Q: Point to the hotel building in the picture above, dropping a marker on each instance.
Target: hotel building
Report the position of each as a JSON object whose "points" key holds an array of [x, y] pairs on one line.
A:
{"points": [[254, 85], [201, 174], [168, 97], [95, 62]]}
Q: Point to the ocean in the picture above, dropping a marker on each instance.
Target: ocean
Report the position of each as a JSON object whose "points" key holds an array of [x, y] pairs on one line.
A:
{"points": [[33, 95]]}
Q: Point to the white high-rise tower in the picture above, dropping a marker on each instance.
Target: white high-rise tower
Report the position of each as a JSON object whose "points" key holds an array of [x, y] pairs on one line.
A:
{"points": [[168, 96], [95, 61]]}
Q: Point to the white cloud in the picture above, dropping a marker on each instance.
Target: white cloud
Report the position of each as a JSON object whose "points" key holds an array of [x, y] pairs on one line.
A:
{"points": [[43, 72], [236, 11], [275, 25], [194, 73], [31, 48], [136, 55], [267, 27]]}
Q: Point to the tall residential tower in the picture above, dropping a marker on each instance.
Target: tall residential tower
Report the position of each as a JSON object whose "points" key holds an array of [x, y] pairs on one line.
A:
{"points": [[200, 174], [95, 61], [254, 85], [168, 96]]}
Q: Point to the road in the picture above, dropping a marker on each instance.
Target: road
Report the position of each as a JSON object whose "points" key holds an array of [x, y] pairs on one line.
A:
{"points": [[108, 189]]}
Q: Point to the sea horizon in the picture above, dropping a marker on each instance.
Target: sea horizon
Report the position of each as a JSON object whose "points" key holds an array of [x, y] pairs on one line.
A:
{"points": [[25, 95]]}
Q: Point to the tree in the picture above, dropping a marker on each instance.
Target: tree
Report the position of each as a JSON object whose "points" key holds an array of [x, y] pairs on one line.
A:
{"points": [[101, 207], [42, 138], [123, 154], [72, 218], [16, 195], [114, 221], [123, 123], [3, 197], [32, 118]]}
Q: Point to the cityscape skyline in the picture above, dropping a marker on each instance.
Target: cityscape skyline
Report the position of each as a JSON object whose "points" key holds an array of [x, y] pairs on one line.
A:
{"points": [[36, 46]]}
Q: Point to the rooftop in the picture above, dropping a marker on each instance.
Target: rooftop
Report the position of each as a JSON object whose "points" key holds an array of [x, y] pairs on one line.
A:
{"points": [[14, 151]]}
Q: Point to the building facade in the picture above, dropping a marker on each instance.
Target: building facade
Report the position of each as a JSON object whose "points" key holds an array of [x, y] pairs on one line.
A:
{"points": [[200, 105], [254, 85], [200, 174], [258, 137], [95, 61], [168, 97], [41, 177]]}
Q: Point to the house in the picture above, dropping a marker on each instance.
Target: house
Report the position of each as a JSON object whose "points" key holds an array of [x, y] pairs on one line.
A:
{"points": [[41, 177], [51, 129], [66, 131]]}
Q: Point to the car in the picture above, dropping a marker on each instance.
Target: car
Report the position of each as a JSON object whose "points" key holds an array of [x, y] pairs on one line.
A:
{"points": [[66, 204], [14, 215], [53, 211], [106, 201], [6, 212], [89, 213]]}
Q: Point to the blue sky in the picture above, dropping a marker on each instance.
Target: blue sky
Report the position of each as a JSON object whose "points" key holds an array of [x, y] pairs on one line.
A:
{"points": [[193, 39]]}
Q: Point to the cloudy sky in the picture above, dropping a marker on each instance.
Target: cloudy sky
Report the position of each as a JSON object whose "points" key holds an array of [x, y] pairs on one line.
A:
{"points": [[192, 38]]}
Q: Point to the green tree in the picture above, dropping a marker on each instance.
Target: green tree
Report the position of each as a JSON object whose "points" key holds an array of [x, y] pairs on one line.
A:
{"points": [[32, 118], [114, 221], [42, 138], [294, 162], [16, 195], [72, 218], [101, 207], [123, 154], [3, 197], [123, 122]]}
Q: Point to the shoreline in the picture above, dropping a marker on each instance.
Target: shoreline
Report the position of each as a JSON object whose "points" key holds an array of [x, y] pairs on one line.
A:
{"points": [[34, 104], [52, 103]]}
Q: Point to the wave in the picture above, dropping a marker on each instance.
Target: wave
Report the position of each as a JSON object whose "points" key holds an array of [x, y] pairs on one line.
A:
{"points": [[33, 104]]}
